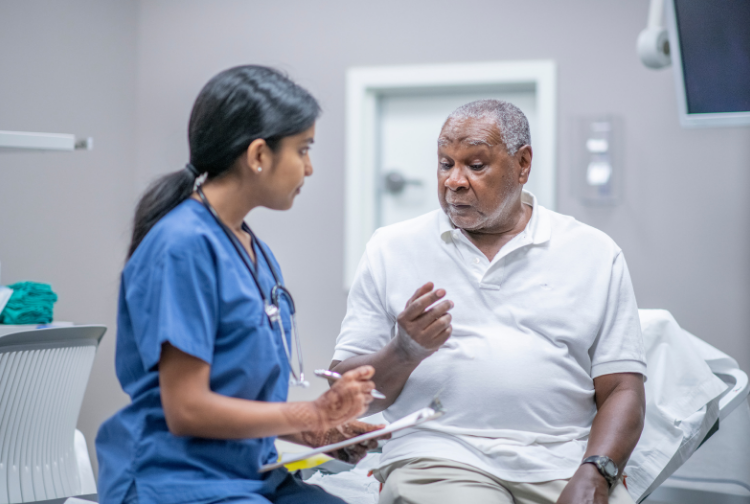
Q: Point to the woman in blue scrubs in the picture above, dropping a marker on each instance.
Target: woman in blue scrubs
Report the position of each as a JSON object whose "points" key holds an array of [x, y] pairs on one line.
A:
{"points": [[203, 360]]}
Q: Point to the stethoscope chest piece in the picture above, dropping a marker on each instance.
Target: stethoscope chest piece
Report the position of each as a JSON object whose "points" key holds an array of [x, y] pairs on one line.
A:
{"points": [[272, 312]]}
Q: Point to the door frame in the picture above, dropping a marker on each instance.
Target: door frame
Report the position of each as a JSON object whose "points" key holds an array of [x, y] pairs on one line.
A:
{"points": [[365, 85]]}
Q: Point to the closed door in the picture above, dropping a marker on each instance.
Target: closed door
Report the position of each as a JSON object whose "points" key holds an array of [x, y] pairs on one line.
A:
{"points": [[407, 130]]}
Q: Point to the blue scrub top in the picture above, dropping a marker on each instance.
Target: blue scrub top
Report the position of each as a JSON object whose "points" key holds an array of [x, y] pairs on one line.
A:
{"points": [[186, 285]]}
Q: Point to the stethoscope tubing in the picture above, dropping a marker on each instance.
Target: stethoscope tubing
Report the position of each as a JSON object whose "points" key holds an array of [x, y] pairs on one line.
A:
{"points": [[245, 256], [276, 292]]}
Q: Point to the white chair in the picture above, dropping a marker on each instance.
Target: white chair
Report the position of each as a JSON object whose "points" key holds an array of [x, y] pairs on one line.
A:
{"points": [[43, 376]]}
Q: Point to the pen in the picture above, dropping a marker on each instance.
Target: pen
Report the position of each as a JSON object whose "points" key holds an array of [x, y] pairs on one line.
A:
{"points": [[333, 375]]}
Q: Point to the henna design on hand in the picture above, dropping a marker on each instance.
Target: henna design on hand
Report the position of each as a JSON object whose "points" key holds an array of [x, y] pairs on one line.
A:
{"points": [[351, 454], [303, 415], [338, 406], [346, 399]]}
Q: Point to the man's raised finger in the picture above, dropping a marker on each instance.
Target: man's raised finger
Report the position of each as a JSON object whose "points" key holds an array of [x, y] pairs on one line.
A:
{"points": [[415, 309], [420, 292], [435, 312]]}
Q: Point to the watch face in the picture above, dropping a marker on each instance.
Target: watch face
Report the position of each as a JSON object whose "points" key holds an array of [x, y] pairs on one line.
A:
{"points": [[610, 467]]}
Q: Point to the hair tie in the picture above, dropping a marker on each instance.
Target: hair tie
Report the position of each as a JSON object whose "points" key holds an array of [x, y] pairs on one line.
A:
{"points": [[192, 169]]}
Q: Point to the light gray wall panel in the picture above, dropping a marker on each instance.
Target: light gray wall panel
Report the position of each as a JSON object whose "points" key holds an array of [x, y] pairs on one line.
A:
{"points": [[69, 67]]}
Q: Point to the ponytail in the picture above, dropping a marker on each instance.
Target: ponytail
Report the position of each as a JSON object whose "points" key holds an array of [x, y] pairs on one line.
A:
{"points": [[160, 198], [232, 110]]}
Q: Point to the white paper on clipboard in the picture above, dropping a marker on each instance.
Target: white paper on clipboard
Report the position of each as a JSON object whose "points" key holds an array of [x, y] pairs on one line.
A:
{"points": [[416, 418]]}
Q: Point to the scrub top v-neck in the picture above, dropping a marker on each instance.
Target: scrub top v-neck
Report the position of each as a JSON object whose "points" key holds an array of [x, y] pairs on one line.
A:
{"points": [[186, 285]]}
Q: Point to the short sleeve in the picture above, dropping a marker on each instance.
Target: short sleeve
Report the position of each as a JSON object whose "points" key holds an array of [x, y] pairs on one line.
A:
{"points": [[175, 300], [367, 326], [618, 347]]}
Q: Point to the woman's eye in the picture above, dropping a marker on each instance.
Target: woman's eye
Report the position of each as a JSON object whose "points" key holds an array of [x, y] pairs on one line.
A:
{"points": [[304, 151]]}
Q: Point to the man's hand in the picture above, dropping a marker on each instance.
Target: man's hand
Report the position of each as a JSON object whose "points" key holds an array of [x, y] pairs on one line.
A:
{"points": [[351, 454], [621, 404], [423, 328], [586, 486]]}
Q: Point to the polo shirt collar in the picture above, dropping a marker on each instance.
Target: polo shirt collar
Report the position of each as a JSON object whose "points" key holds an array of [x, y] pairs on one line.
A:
{"points": [[537, 230]]}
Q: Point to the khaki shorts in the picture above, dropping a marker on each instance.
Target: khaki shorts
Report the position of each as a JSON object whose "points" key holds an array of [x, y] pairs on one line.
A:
{"points": [[442, 481]]}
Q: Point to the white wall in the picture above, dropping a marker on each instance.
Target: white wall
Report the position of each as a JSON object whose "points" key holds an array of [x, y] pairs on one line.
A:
{"points": [[127, 73]]}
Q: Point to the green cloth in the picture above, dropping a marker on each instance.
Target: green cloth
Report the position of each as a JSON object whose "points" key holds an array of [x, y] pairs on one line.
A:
{"points": [[30, 303]]}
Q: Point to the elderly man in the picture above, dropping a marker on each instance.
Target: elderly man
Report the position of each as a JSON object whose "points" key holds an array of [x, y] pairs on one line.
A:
{"points": [[539, 364]]}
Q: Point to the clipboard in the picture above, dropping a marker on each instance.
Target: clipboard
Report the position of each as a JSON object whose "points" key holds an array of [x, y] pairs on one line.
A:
{"points": [[431, 412]]}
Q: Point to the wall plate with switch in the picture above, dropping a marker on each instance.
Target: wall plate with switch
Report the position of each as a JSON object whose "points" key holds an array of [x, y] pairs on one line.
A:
{"points": [[598, 169]]}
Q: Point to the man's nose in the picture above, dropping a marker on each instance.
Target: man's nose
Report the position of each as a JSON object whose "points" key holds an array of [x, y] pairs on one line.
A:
{"points": [[456, 179]]}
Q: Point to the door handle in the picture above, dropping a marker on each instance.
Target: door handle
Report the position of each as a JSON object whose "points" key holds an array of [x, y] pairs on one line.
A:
{"points": [[394, 182]]}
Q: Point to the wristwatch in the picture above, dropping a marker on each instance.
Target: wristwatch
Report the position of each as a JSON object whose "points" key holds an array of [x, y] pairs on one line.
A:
{"points": [[606, 467]]}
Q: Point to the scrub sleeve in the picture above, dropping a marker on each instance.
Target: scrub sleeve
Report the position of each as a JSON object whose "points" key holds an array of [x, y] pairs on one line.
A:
{"points": [[183, 301]]}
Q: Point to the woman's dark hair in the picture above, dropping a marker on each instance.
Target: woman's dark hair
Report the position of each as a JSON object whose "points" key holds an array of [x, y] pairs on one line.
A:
{"points": [[234, 108]]}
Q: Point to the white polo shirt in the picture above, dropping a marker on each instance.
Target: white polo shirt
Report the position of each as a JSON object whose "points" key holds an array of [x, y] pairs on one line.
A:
{"points": [[531, 329]]}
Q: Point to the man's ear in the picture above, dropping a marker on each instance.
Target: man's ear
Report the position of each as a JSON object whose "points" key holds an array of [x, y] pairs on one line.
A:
{"points": [[259, 155], [524, 156]]}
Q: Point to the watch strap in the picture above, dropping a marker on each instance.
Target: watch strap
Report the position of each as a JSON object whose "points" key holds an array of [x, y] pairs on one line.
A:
{"points": [[601, 462]]}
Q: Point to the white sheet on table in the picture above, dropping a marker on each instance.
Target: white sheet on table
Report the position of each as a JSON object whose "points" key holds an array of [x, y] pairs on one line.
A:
{"points": [[681, 400], [724, 460], [352, 486]]}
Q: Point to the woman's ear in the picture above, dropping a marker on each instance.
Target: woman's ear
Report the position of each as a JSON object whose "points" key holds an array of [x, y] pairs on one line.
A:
{"points": [[258, 155]]}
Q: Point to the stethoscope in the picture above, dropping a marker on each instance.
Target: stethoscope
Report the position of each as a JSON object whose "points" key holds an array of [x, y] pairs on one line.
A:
{"points": [[271, 306]]}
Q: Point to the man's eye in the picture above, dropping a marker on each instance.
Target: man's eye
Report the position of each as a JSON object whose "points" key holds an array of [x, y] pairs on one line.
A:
{"points": [[476, 166], [446, 166]]}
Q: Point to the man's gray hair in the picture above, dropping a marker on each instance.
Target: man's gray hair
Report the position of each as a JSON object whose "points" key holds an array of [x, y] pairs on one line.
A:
{"points": [[512, 123]]}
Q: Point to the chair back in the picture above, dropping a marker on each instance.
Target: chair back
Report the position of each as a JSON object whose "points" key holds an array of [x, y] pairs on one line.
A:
{"points": [[43, 376]]}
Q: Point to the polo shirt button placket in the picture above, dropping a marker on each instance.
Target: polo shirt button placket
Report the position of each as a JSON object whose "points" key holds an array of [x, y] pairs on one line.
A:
{"points": [[482, 268], [491, 280]]}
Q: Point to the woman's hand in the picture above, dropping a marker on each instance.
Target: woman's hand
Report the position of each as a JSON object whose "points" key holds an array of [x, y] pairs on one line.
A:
{"points": [[351, 454], [347, 399]]}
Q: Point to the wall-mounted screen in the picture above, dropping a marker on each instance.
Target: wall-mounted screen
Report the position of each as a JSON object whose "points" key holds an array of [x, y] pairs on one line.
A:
{"points": [[710, 45]]}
